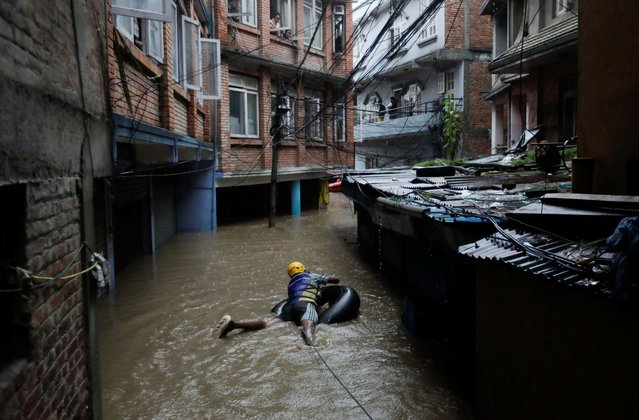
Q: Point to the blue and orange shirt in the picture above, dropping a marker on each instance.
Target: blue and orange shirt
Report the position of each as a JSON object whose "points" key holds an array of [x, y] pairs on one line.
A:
{"points": [[305, 287]]}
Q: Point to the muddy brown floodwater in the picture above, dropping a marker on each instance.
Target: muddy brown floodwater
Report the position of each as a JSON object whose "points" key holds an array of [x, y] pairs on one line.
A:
{"points": [[159, 358]]}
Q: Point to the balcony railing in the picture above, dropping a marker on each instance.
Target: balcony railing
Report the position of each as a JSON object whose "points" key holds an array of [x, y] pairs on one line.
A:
{"points": [[420, 117]]}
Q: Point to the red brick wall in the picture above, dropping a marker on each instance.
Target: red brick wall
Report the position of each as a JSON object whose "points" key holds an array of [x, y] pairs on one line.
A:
{"points": [[157, 101], [237, 37], [53, 381], [454, 24], [481, 28]]}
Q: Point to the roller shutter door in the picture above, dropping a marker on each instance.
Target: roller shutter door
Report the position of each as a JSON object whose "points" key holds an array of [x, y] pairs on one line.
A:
{"points": [[164, 212]]}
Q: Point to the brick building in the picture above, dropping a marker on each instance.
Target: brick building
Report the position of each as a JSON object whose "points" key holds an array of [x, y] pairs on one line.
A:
{"points": [[418, 52], [306, 58], [534, 70], [55, 134], [163, 151]]}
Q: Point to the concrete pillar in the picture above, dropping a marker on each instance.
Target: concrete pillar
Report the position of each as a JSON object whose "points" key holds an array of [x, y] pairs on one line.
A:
{"points": [[296, 206]]}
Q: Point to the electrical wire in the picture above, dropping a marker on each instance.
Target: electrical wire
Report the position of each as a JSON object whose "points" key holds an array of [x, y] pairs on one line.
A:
{"points": [[45, 280]]}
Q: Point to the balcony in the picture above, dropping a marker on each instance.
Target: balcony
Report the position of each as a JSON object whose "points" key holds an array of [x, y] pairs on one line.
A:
{"points": [[422, 118]]}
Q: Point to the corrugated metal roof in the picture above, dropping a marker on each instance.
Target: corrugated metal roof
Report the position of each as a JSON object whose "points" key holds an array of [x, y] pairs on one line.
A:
{"points": [[554, 37], [545, 255], [458, 196]]}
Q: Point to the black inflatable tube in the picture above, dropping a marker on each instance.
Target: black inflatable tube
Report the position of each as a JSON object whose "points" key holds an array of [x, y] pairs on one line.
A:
{"points": [[343, 304]]}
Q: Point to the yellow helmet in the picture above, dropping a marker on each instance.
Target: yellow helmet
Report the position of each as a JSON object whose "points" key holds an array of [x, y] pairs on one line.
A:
{"points": [[295, 267]]}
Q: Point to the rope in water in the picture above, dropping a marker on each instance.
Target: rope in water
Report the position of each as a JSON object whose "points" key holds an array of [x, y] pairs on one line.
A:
{"points": [[309, 340]]}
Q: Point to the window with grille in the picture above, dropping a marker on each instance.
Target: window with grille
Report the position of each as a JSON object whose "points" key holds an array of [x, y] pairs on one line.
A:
{"points": [[338, 123], [313, 127]]}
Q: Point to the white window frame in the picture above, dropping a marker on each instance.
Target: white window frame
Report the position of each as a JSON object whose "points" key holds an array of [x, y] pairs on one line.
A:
{"points": [[211, 58], [445, 82], [450, 81], [286, 9], [313, 124], [238, 83], [562, 7], [430, 28], [396, 33], [314, 9], [126, 26], [248, 8], [178, 59], [153, 39], [339, 23], [192, 76], [145, 9]]}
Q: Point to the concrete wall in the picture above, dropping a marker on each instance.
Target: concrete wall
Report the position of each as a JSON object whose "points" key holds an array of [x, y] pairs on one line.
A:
{"points": [[54, 140], [549, 351], [608, 85]]}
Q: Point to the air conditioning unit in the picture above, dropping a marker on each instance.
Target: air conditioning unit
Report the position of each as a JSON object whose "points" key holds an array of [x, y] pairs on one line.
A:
{"points": [[338, 9]]}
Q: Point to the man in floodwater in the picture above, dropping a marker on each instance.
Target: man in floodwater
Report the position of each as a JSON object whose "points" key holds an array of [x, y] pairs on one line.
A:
{"points": [[301, 307]]}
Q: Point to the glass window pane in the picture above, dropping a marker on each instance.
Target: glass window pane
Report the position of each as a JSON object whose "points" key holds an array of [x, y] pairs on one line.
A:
{"points": [[146, 9], [175, 30], [248, 12], [125, 26], [251, 106], [236, 112], [156, 39], [191, 48], [211, 68]]}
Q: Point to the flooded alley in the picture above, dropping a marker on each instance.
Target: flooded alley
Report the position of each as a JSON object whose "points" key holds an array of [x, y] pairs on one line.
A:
{"points": [[159, 358]]}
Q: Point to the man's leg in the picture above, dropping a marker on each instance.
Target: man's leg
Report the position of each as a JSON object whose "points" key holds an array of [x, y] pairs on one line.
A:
{"points": [[308, 331], [226, 324]]}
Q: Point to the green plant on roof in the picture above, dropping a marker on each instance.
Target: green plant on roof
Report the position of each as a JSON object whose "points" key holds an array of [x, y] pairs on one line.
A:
{"points": [[452, 128]]}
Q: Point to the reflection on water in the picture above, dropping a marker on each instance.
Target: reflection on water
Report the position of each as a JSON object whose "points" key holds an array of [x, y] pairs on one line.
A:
{"points": [[160, 360]]}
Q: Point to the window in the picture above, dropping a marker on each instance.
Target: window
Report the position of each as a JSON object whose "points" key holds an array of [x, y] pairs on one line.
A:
{"points": [[146, 9], [338, 29], [176, 29], [192, 64], [446, 82], [372, 162], [430, 28], [313, 127], [286, 9], [288, 119], [146, 34], [154, 37], [411, 101], [562, 6], [338, 123], [243, 104], [312, 21], [396, 33], [244, 11], [211, 62], [568, 110]]}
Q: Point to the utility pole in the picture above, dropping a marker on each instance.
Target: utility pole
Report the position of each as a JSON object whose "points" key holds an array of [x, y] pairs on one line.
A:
{"points": [[281, 109]]}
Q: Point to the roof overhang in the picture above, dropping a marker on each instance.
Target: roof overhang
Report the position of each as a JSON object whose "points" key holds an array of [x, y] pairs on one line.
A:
{"points": [[247, 61], [555, 43]]}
